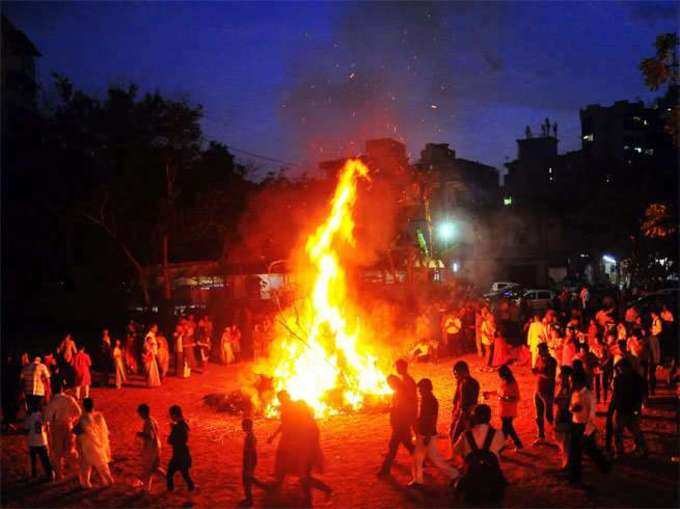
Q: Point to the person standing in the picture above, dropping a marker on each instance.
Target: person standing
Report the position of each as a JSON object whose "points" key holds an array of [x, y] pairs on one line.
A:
{"points": [[150, 440], [627, 399], [181, 457], [37, 442], [488, 336], [153, 378], [67, 351], [93, 441], [426, 433], [119, 365], [535, 336], [583, 429], [400, 422], [249, 463], [584, 297], [105, 360], [179, 350], [83, 375], [508, 396], [131, 354], [563, 416], [60, 414], [163, 356], [464, 400], [410, 391], [545, 371], [654, 349], [34, 378]]}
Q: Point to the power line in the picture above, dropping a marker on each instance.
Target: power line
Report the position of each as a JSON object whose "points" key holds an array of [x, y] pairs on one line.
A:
{"points": [[253, 154]]}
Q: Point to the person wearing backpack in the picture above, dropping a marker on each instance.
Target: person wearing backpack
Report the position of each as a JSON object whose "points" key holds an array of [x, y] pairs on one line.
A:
{"points": [[482, 480]]}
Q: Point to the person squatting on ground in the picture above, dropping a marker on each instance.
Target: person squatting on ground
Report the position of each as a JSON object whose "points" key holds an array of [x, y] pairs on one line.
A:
{"points": [[93, 441], [150, 450], [426, 433], [181, 457]]}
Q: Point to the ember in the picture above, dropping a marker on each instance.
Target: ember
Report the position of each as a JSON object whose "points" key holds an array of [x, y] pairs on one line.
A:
{"points": [[321, 354]]}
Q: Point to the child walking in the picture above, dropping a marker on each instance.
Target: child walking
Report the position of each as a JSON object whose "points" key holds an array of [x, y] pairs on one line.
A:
{"points": [[249, 463]]}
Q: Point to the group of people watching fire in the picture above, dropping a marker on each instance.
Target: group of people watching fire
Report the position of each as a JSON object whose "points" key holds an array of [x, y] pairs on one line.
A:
{"points": [[579, 359]]}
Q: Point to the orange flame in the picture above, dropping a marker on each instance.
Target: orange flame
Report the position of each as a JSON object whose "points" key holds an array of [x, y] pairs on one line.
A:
{"points": [[318, 355]]}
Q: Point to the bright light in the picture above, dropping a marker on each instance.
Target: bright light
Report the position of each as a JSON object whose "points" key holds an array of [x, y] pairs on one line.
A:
{"points": [[608, 259], [446, 230], [507, 201], [456, 267]]}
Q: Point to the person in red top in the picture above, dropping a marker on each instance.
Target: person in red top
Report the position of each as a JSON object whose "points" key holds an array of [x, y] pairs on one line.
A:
{"points": [[83, 377], [508, 397]]}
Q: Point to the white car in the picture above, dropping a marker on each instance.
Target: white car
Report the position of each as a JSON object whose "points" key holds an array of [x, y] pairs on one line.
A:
{"points": [[538, 300], [499, 286]]}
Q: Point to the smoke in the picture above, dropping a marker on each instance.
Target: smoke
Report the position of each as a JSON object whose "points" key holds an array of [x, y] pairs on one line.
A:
{"points": [[389, 70]]}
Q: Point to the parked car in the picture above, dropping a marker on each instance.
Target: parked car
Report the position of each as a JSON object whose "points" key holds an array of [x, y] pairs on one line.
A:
{"points": [[498, 286], [537, 299]]}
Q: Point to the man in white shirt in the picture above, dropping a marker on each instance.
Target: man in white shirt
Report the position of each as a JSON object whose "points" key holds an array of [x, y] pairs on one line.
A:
{"points": [[34, 378], [535, 335], [37, 442], [583, 430], [60, 413]]}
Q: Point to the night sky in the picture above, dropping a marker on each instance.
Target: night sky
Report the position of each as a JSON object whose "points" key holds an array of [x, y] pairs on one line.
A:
{"points": [[301, 82]]}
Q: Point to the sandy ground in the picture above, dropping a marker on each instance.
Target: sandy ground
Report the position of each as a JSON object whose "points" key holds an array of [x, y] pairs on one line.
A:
{"points": [[353, 446]]}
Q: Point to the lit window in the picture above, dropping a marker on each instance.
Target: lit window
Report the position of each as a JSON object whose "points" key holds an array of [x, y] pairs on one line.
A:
{"points": [[588, 137], [507, 201], [638, 149]]}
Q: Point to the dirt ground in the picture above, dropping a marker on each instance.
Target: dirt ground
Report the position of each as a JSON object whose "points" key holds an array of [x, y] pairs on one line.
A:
{"points": [[353, 446]]}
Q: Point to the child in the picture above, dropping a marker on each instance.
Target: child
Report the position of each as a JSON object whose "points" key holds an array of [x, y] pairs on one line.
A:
{"points": [[37, 443], [181, 458], [249, 463]]}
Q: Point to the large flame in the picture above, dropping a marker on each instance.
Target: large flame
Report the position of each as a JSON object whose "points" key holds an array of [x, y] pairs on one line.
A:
{"points": [[319, 356]]}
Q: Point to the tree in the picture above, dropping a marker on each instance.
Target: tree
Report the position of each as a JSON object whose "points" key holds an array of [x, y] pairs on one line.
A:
{"points": [[662, 69], [124, 155]]}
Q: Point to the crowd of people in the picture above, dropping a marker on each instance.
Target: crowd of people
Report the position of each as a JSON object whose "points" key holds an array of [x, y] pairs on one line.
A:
{"points": [[580, 357]]}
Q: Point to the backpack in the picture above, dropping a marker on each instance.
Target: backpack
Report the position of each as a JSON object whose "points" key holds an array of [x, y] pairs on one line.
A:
{"points": [[482, 480]]}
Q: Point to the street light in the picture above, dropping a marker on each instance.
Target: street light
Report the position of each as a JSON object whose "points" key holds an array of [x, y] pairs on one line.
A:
{"points": [[446, 230]]}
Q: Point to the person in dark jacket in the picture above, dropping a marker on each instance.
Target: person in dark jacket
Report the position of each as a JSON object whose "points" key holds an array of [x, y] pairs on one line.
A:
{"points": [[545, 370], [400, 421], [464, 400], [249, 463], [426, 432], [627, 401], [181, 458]]}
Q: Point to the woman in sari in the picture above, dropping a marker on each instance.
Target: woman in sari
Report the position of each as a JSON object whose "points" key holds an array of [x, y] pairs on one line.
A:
{"points": [[130, 354], [119, 365], [153, 378], [163, 356]]}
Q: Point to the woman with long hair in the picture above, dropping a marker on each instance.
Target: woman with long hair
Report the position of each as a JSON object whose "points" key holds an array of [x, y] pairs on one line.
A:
{"points": [[508, 397]]}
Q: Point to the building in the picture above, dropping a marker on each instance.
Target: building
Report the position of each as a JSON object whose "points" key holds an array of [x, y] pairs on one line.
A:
{"points": [[623, 132], [459, 182], [19, 83]]}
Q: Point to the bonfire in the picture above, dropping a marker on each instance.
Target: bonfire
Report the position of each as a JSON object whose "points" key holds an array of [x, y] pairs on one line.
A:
{"points": [[322, 354]]}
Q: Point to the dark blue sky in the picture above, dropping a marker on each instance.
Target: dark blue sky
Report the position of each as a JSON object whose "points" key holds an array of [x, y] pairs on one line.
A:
{"points": [[308, 81]]}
